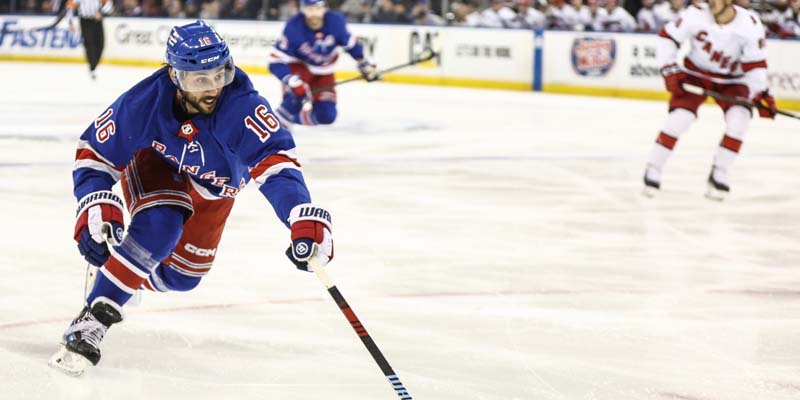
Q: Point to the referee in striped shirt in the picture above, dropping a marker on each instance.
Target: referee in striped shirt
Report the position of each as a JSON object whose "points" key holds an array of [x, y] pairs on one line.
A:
{"points": [[90, 13]]}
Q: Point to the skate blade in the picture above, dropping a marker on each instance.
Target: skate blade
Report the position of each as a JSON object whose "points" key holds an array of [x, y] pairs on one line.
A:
{"points": [[70, 363], [649, 192], [716, 195]]}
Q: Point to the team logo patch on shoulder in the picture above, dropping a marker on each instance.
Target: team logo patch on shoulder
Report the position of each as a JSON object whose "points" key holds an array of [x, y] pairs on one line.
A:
{"points": [[188, 130], [593, 56]]}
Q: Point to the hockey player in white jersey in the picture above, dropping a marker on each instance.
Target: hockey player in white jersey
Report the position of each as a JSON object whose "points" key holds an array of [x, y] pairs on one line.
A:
{"points": [[727, 56]]}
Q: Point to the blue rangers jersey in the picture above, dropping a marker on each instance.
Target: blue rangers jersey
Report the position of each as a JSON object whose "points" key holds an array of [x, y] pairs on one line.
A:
{"points": [[318, 50], [241, 140]]}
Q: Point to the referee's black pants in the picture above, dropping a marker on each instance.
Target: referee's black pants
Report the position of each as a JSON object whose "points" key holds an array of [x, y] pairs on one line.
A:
{"points": [[93, 40]]}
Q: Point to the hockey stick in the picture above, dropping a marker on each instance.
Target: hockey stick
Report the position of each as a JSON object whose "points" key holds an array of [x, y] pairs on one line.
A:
{"points": [[360, 330], [51, 25], [733, 100], [427, 57]]}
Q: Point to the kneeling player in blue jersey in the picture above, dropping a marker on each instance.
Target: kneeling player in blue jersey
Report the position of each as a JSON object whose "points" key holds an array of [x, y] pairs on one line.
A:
{"points": [[183, 142], [304, 59]]}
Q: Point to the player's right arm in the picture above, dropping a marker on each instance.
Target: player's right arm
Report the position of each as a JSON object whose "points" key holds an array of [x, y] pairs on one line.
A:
{"points": [[283, 52], [102, 153], [352, 46], [668, 42]]}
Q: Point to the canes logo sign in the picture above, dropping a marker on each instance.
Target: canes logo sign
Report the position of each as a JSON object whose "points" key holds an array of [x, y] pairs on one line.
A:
{"points": [[593, 56]]}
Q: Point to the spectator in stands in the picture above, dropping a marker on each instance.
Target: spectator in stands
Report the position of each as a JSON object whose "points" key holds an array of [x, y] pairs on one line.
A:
{"points": [[209, 9], [645, 18], [528, 17], [794, 15], [238, 9], [356, 10], [151, 8], [561, 15], [782, 20], [422, 15], [465, 13], [497, 15], [592, 17], [619, 19], [578, 6], [287, 9], [173, 8], [130, 8], [667, 11], [191, 8], [390, 13]]}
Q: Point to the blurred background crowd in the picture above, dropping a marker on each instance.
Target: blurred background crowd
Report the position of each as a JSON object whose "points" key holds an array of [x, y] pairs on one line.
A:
{"points": [[781, 17]]}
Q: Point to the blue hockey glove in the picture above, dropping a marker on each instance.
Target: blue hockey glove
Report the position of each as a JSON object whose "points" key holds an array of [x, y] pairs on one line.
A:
{"points": [[368, 70], [311, 236], [99, 214]]}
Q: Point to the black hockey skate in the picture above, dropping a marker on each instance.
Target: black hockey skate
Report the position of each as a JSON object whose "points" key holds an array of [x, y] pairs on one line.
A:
{"points": [[81, 344], [717, 191], [651, 185]]}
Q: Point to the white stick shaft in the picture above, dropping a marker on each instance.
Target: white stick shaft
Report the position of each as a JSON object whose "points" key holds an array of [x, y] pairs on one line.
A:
{"points": [[321, 273]]}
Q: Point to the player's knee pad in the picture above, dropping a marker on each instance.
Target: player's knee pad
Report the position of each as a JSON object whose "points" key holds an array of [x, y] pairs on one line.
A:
{"points": [[678, 122], [737, 120], [157, 230], [325, 112], [168, 279]]}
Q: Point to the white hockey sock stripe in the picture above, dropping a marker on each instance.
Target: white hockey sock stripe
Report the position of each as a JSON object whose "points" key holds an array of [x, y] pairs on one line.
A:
{"points": [[121, 276]]}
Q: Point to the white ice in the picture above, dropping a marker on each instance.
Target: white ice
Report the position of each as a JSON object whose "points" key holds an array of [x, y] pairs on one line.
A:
{"points": [[495, 244]]}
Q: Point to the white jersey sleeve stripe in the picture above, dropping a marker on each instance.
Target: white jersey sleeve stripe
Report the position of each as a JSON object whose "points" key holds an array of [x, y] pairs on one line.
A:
{"points": [[98, 166], [277, 56], [85, 145]]}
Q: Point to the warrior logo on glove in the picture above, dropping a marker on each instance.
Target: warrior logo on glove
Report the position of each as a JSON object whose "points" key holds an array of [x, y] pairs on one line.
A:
{"points": [[311, 236]]}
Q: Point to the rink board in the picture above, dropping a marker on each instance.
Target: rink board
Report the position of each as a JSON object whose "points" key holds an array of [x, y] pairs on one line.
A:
{"points": [[607, 64], [626, 65]]}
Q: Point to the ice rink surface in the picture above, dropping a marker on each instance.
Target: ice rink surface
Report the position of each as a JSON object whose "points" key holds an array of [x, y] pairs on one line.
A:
{"points": [[495, 245]]}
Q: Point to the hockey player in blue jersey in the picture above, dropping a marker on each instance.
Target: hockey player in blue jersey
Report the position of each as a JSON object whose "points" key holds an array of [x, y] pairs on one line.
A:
{"points": [[304, 59], [183, 142]]}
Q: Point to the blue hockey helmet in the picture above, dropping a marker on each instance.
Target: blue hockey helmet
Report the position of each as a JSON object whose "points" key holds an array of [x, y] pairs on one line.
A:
{"points": [[199, 57], [314, 12]]}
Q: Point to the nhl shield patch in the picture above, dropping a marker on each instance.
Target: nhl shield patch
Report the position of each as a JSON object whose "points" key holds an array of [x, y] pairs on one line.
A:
{"points": [[188, 130]]}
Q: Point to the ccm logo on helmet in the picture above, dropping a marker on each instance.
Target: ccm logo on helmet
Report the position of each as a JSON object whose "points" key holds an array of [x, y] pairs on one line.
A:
{"points": [[200, 252], [208, 60]]}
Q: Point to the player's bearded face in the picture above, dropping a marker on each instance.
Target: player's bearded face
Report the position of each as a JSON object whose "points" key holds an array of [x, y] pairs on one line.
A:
{"points": [[200, 90], [314, 15], [201, 102]]}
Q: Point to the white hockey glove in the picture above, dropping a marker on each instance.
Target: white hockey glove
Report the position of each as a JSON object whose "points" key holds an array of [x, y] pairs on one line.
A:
{"points": [[311, 236], [368, 70]]}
